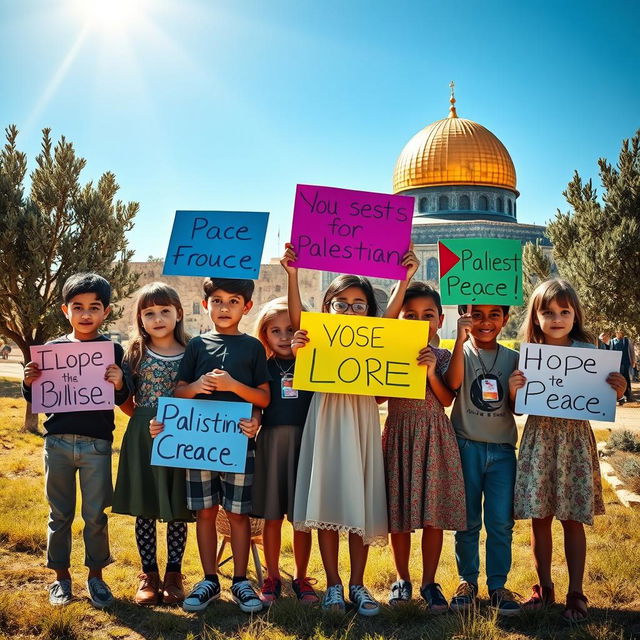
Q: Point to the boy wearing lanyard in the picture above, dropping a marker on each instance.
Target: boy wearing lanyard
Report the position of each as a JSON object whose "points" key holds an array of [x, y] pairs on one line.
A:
{"points": [[486, 431]]}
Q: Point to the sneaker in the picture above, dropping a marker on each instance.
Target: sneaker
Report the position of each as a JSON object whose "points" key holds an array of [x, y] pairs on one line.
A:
{"points": [[201, 595], [334, 598], [148, 593], [465, 597], [172, 588], [401, 591], [246, 597], [60, 592], [271, 589], [99, 593], [433, 596], [303, 588], [363, 600], [504, 602]]}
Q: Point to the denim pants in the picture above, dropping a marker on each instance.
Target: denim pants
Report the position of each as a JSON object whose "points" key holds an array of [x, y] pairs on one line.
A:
{"points": [[489, 470], [91, 458]]}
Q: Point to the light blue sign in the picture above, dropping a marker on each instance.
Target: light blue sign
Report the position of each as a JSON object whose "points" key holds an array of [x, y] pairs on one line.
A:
{"points": [[201, 434], [223, 244]]}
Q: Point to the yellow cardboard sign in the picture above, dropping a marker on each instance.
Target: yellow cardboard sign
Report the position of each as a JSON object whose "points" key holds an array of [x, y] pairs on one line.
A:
{"points": [[362, 355]]}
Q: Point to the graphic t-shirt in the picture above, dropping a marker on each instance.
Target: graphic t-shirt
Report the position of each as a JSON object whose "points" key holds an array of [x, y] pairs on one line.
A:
{"points": [[481, 410]]}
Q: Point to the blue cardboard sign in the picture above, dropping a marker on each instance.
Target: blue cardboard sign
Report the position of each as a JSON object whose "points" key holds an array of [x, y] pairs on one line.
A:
{"points": [[223, 244], [201, 434]]}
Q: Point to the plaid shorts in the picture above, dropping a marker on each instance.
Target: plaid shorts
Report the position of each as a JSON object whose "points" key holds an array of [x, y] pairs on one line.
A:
{"points": [[232, 491]]}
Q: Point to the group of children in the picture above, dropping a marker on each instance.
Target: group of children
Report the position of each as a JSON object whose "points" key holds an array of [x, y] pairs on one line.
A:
{"points": [[320, 458]]}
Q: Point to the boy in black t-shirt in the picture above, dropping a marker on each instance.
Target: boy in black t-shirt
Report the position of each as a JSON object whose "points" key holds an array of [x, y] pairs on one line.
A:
{"points": [[80, 441], [225, 365]]}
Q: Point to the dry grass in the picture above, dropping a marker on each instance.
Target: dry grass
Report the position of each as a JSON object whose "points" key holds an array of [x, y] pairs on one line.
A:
{"points": [[612, 580]]}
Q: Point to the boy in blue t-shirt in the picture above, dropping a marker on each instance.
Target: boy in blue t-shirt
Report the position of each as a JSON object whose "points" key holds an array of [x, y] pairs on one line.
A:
{"points": [[80, 441], [230, 366]]}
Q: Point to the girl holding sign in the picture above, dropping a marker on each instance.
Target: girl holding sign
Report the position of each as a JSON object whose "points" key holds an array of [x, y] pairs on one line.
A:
{"points": [[277, 453], [425, 487], [340, 481], [558, 471], [153, 493]]}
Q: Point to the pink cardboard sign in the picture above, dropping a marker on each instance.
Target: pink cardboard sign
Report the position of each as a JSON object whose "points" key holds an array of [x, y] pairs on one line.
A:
{"points": [[72, 377], [354, 232]]}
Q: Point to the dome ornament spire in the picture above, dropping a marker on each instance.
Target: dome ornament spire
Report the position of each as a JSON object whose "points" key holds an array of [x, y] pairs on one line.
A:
{"points": [[452, 100]]}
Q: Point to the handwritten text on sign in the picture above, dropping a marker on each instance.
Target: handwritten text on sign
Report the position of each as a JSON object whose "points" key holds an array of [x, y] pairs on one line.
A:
{"points": [[480, 271], [351, 231], [201, 434], [224, 244], [72, 377], [567, 382], [362, 355]]}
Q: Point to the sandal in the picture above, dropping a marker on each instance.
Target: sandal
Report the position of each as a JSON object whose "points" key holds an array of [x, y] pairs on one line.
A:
{"points": [[540, 597], [576, 603]]}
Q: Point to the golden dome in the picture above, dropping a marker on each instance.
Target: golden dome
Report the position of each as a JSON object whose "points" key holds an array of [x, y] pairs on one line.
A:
{"points": [[454, 151]]}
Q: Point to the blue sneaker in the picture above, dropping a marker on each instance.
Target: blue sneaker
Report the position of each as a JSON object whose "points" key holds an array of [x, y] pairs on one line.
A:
{"points": [[99, 593], [504, 602], [433, 596], [245, 597], [201, 595]]}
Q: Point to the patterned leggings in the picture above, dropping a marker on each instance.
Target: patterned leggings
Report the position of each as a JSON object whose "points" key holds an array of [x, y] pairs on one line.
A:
{"points": [[146, 541]]}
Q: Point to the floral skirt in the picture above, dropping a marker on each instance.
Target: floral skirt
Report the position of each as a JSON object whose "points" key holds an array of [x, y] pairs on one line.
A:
{"points": [[558, 471]]}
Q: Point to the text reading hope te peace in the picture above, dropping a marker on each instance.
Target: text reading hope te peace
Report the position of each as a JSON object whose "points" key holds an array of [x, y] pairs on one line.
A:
{"points": [[352, 369]]}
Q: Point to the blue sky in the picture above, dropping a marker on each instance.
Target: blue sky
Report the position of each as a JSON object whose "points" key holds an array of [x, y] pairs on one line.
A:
{"points": [[207, 104]]}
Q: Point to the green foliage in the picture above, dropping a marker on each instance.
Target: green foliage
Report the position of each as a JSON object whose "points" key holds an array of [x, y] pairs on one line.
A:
{"points": [[60, 228], [596, 243], [624, 440]]}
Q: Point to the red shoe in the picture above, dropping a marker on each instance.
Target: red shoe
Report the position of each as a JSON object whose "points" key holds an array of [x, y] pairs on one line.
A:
{"points": [[303, 589], [271, 588]]}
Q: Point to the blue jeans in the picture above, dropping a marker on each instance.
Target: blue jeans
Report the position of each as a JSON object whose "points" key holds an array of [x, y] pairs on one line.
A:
{"points": [[91, 458], [488, 469]]}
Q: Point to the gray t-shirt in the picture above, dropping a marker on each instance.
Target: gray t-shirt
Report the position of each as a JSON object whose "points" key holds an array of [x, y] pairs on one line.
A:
{"points": [[487, 419]]}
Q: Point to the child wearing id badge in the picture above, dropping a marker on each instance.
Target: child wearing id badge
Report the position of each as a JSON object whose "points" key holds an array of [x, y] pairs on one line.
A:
{"points": [[277, 452], [482, 418]]}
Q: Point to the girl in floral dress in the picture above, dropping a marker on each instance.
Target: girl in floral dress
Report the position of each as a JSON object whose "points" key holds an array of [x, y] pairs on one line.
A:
{"points": [[425, 487], [153, 493], [558, 471]]}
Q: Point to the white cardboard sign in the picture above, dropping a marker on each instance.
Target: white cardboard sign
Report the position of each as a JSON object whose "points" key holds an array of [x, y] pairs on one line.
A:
{"points": [[567, 382]]}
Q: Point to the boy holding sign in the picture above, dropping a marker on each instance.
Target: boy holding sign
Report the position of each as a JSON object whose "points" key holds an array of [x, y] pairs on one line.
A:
{"points": [[79, 441], [558, 469], [486, 431], [226, 365]]}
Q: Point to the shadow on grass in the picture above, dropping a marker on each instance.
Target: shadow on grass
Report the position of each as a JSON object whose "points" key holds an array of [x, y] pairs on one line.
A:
{"points": [[288, 618], [10, 388]]}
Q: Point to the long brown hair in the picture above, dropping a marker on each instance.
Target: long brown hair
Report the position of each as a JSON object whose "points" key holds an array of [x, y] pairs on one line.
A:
{"points": [[266, 314], [564, 295], [156, 293]]}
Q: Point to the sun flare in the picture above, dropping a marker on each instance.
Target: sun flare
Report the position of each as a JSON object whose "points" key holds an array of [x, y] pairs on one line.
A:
{"points": [[111, 15]]}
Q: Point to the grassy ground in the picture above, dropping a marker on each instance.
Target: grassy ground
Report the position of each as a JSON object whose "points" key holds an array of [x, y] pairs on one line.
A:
{"points": [[612, 580]]}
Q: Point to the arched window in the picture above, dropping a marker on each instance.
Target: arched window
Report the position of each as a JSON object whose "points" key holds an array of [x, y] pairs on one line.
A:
{"points": [[483, 203], [465, 203], [423, 205], [432, 269], [500, 205], [443, 203], [509, 207]]}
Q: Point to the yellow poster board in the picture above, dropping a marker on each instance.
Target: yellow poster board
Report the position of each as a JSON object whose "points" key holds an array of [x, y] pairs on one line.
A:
{"points": [[362, 355]]}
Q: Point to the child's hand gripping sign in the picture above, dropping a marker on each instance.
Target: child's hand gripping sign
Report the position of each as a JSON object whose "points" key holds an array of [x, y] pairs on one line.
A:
{"points": [[361, 355], [73, 377]]}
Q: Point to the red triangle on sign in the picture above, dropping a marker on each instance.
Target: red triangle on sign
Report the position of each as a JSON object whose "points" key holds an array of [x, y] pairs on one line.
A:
{"points": [[447, 258]]}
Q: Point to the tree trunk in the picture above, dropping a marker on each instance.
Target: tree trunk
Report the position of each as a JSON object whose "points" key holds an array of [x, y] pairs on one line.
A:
{"points": [[30, 421]]}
